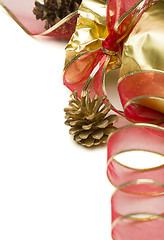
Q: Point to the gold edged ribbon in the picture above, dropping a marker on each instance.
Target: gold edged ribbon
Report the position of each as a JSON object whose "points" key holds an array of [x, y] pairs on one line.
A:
{"points": [[15, 19], [137, 202], [126, 14], [147, 102], [59, 24], [50, 30]]}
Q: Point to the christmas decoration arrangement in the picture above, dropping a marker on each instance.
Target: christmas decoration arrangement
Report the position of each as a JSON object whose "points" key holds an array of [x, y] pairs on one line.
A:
{"points": [[109, 35]]}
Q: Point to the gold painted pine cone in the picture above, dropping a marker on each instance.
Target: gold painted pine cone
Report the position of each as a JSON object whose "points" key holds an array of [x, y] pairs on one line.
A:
{"points": [[87, 119]]}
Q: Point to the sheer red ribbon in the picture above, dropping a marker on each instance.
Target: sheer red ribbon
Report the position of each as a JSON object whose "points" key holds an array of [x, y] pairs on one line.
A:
{"points": [[22, 10], [142, 95], [137, 205]]}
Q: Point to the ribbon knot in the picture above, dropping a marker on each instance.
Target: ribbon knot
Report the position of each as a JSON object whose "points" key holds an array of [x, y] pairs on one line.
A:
{"points": [[109, 52], [110, 43]]}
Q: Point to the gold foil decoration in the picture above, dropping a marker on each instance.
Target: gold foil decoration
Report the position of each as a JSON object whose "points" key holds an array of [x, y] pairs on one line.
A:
{"points": [[91, 28], [145, 46]]}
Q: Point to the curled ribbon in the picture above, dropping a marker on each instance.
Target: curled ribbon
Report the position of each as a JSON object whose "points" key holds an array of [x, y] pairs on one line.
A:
{"points": [[142, 95], [137, 203], [22, 14]]}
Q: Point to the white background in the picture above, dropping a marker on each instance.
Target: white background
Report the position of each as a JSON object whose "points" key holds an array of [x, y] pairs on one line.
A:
{"points": [[50, 187]]}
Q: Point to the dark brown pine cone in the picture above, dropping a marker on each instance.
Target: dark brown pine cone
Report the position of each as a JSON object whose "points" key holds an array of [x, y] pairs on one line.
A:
{"points": [[52, 11], [87, 119]]}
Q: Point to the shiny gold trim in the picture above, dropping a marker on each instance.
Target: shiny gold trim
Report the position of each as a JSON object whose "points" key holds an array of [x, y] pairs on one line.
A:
{"points": [[137, 125], [93, 73], [138, 182], [103, 84], [136, 169], [124, 16], [107, 61], [133, 101], [133, 218], [129, 28], [61, 22], [151, 122], [78, 56], [138, 71]]}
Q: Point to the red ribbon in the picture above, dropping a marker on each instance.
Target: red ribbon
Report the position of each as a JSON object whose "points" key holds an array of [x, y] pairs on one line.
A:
{"points": [[137, 205], [22, 12]]}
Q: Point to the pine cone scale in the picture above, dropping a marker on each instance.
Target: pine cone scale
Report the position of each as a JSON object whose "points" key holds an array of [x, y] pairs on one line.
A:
{"points": [[103, 124], [98, 103], [71, 123], [88, 142], [87, 127], [75, 130], [98, 134], [109, 130], [77, 138], [85, 134]]}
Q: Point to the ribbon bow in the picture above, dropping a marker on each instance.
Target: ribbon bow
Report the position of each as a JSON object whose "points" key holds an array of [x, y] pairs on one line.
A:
{"points": [[88, 60]]}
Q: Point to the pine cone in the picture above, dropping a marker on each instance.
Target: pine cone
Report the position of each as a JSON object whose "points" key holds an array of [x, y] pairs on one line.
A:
{"points": [[87, 119], [52, 11]]}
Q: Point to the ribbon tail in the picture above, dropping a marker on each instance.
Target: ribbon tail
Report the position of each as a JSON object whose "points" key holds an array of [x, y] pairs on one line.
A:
{"points": [[67, 24], [11, 14]]}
